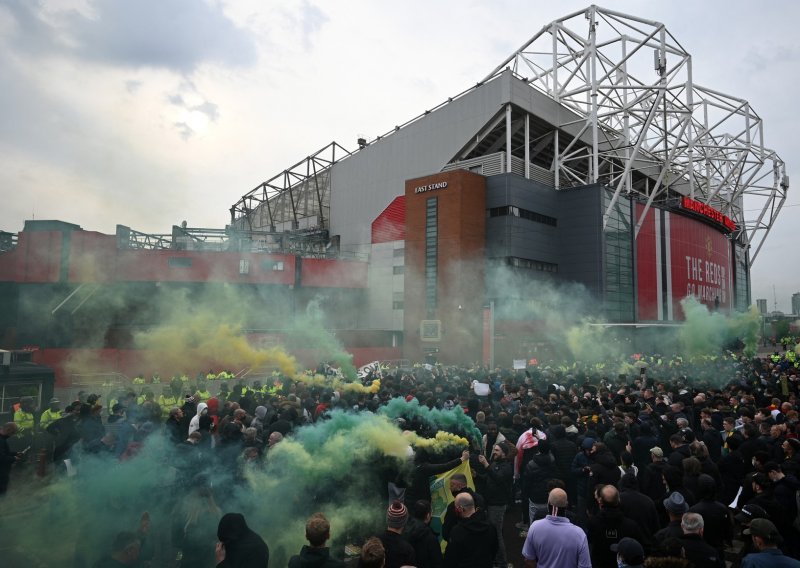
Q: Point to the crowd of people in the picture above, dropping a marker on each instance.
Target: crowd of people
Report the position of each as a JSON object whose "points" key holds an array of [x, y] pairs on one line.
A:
{"points": [[665, 466]]}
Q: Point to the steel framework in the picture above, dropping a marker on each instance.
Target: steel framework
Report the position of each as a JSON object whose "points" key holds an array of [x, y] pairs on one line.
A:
{"points": [[655, 137], [283, 202]]}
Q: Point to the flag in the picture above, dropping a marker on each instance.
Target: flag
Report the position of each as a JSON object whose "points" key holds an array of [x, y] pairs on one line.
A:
{"points": [[441, 496]]}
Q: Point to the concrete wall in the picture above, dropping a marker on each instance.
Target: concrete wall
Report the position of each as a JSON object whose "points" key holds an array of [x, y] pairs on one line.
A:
{"points": [[385, 286], [365, 183]]}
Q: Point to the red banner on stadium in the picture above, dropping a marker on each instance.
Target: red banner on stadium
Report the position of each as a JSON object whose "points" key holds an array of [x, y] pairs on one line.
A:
{"points": [[678, 256]]}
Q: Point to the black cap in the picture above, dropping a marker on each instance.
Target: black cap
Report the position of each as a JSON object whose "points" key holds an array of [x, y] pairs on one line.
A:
{"points": [[765, 529], [630, 550], [750, 512]]}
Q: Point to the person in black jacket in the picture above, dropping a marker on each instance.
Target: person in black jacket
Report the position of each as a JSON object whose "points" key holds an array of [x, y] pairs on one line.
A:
{"points": [[499, 480], [7, 457], [732, 470], [238, 546], [639, 507], [398, 551], [315, 554], [473, 543], [712, 439], [564, 451], [604, 470], [420, 488], [419, 534], [458, 484], [697, 550], [607, 527], [539, 470], [717, 521]]}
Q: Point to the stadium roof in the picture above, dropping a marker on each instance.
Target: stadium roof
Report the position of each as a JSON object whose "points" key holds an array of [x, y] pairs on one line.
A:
{"points": [[630, 116]]}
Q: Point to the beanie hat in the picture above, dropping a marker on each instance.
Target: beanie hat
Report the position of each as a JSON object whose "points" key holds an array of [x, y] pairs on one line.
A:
{"points": [[396, 515]]}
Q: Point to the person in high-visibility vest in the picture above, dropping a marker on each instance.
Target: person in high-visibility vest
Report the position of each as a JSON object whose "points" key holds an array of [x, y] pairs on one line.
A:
{"points": [[147, 395], [171, 399], [23, 416], [202, 394], [50, 415]]}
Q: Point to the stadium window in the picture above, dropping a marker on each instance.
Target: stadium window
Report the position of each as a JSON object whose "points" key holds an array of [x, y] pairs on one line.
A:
{"points": [[271, 265], [513, 211], [180, 261]]}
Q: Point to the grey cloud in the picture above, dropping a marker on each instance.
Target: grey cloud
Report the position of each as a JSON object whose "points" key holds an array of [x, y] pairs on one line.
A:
{"points": [[311, 19], [176, 100], [209, 109], [174, 34], [32, 33], [132, 86], [763, 57], [184, 130]]}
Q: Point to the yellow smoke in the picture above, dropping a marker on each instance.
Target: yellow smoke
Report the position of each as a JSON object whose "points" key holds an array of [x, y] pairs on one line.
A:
{"points": [[337, 383], [441, 442], [200, 342]]}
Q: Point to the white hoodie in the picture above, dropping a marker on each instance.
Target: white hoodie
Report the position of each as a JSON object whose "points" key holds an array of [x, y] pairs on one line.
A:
{"points": [[194, 425]]}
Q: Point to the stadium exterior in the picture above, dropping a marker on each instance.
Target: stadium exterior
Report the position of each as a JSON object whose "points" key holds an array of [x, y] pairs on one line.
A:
{"points": [[589, 156], [589, 162]]}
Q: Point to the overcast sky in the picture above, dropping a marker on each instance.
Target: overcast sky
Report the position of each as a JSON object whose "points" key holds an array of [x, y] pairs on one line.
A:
{"points": [[150, 112]]}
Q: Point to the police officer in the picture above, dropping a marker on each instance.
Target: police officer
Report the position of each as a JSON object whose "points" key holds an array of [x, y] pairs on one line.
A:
{"points": [[51, 414], [24, 417], [171, 398]]}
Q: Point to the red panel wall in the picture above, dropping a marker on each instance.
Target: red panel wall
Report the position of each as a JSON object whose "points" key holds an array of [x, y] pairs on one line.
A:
{"points": [[154, 265], [323, 273], [40, 255], [648, 267], [11, 266], [391, 223], [701, 263], [92, 257], [698, 263]]}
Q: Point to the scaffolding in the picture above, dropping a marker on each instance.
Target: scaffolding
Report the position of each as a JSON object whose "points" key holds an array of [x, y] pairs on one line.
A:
{"points": [[644, 127]]}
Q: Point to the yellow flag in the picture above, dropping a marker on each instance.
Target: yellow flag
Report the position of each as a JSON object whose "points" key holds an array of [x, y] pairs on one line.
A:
{"points": [[441, 496]]}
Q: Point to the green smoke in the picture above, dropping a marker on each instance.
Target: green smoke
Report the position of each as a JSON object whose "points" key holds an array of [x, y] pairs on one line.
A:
{"points": [[706, 332], [451, 420], [334, 466], [309, 331]]}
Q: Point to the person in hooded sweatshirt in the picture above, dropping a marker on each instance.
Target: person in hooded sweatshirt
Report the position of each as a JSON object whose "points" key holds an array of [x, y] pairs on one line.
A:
{"points": [[238, 546], [259, 421], [203, 422], [315, 554], [419, 534], [194, 424], [473, 542]]}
